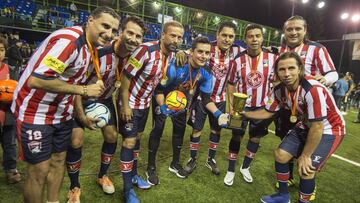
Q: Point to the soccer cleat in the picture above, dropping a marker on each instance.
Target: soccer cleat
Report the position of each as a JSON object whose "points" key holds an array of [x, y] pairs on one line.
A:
{"points": [[13, 176], [276, 198], [151, 177], [74, 195], [211, 164], [229, 178], [131, 197], [178, 170], [190, 166], [289, 183], [106, 184], [246, 174], [313, 196], [140, 183]]}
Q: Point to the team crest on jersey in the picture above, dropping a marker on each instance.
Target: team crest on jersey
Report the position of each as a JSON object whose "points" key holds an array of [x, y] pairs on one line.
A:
{"points": [[254, 80], [219, 71], [34, 147]]}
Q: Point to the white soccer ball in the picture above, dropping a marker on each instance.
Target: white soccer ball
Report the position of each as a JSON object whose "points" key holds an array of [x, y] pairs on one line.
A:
{"points": [[98, 111]]}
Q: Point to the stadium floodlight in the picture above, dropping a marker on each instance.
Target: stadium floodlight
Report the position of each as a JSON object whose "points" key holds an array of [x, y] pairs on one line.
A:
{"points": [[156, 5], [264, 30], [216, 20], [321, 4], [199, 15], [355, 18], [178, 10], [305, 1], [235, 22], [344, 16]]}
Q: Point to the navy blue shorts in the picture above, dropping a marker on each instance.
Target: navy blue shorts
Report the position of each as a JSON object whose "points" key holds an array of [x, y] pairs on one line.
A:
{"points": [[198, 113], [136, 125], [38, 142], [257, 128], [294, 144], [108, 103]]}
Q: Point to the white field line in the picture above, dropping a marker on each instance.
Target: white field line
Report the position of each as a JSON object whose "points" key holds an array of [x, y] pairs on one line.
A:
{"points": [[335, 155]]}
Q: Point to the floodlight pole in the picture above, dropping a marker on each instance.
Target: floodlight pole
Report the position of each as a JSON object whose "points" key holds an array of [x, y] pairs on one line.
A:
{"points": [[342, 52], [163, 14], [293, 8]]}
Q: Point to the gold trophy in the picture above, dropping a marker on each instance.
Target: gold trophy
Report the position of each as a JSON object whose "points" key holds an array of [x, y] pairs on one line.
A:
{"points": [[238, 105]]}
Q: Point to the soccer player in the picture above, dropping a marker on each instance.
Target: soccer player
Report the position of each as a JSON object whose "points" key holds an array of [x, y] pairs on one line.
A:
{"points": [[145, 69], [7, 126], [131, 36], [251, 74], [317, 62], [319, 131], [192, 79], [223, 52], [44, 97]]}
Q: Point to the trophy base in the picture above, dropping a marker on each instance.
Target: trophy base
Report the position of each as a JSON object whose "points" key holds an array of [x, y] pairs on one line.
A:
{"points": [[235, 122]]}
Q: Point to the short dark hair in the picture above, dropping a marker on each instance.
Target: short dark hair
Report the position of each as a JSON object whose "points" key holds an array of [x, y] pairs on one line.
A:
{"points": [[104, 9], [227, 24], [173, 23], [296, 17], [288, 55], [138, 21], [4, 42], [253, 27], [199, 40]]}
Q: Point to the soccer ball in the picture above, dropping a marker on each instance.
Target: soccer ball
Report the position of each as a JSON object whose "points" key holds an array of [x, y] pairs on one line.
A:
{"points": [[98, 110], [176, 100]]}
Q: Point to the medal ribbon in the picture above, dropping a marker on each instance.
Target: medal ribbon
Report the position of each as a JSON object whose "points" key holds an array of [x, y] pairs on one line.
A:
{"points": [[252, 66], [192, 84], [95, 57], [294, 100], [164, 66], [120, 66]]}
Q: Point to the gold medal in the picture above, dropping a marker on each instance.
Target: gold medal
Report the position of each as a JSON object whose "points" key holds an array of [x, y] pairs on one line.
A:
{"points": [[100, 82], [191, 92], [293, 119], [164, 81], [117, 84]]}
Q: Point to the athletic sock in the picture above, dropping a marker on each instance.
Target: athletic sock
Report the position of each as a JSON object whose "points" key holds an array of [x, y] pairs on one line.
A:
{"points": [[251, 150], [234, 148], [73, 163], [107, 152]]}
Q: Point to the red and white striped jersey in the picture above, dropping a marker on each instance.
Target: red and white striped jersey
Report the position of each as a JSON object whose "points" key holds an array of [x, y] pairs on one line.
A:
{"points": [[314, 103], [252, 76], [220, 64], [107, 62], [63, 55], [315, 56], [144, 68]]}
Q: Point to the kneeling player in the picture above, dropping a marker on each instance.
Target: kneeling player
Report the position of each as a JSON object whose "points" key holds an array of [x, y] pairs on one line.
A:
{"points": [[193, 79], [318, 133]]}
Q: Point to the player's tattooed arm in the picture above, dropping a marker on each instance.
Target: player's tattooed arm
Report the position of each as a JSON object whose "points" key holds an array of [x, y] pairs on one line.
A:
{"points": [[125, 112]]}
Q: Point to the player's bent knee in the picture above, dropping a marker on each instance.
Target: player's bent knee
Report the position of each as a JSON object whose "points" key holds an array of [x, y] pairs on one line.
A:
{"points": [[282, 156], [58, 159], [77, 138], [129, 143]]}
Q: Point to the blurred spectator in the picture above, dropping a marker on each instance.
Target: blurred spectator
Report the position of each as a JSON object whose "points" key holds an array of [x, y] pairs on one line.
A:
{"points": [[69, 22], [15, 60], [7, 127], [350, 80], [26, 51], [341, 87]]}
